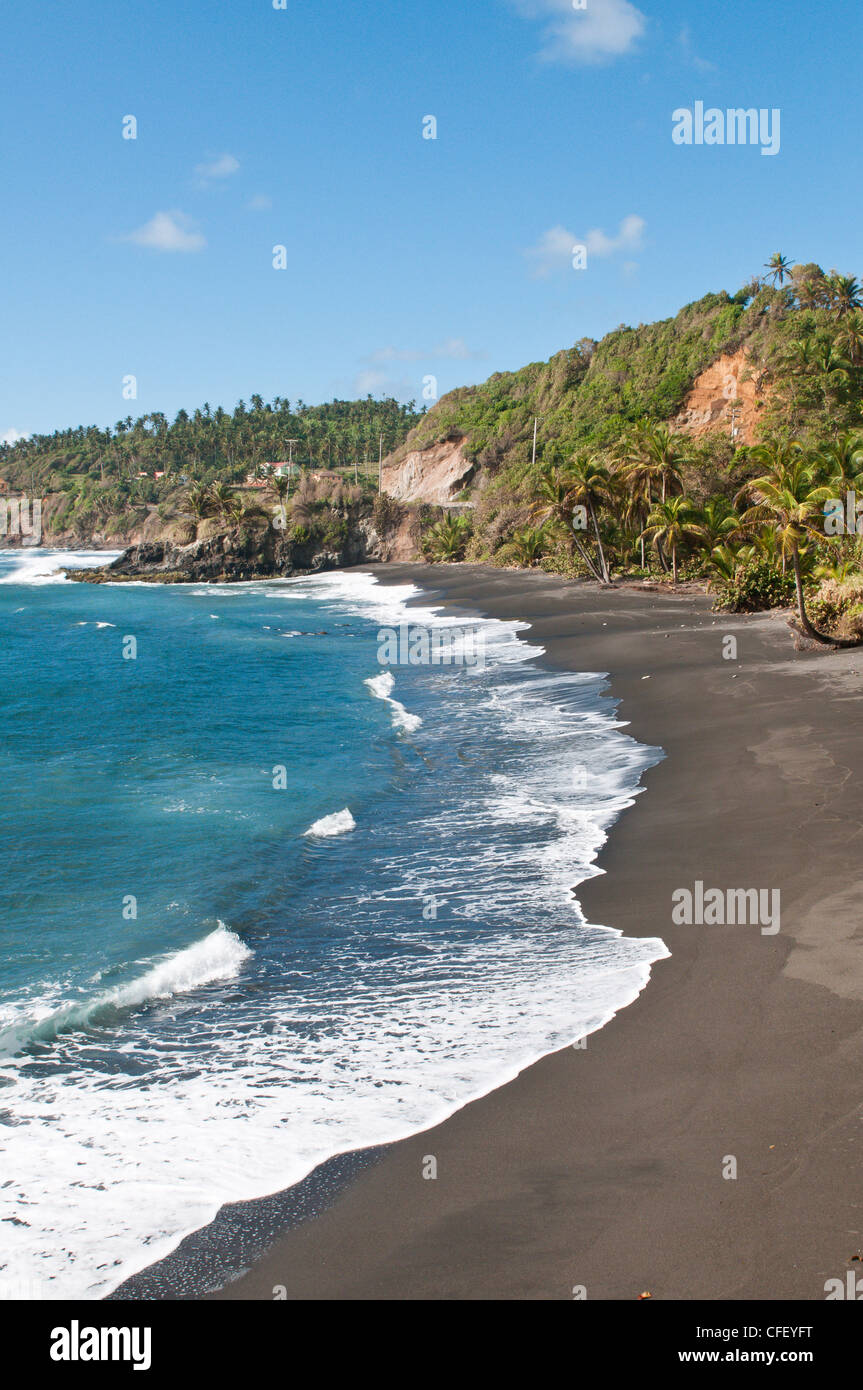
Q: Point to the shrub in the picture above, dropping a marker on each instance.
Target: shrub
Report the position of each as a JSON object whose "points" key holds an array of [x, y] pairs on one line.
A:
{"points": [[754, 587], [837, 606]]}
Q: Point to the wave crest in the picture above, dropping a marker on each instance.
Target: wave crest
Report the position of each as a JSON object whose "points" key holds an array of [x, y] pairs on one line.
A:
{"points": [[339, 823], [216, 957]]}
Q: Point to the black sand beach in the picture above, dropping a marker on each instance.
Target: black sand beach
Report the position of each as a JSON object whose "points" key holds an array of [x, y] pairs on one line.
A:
{"points": [[602, 1168]]}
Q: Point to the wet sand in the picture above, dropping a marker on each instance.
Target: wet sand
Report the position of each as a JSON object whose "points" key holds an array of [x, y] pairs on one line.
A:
{"points": [[603, 1168]]}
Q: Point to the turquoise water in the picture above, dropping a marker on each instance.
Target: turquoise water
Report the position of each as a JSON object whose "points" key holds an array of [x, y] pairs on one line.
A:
{"points": [[210, 981]]}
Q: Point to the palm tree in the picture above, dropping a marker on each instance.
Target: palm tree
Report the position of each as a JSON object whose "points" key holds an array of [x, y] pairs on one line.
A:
{"points": [[590, 487], [849, 339], [833, 368], [655, 456], [526, 546], [553, 502], [778, 269], [846, 294], [198, 502], [554, 505], [223, 498], [717, 522], [671, 524], [724, 560], [843, 461], [446, 539], [787, 496]]}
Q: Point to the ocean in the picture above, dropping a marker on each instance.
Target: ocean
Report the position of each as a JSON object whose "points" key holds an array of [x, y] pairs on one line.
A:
{"points": [[265, 900]]}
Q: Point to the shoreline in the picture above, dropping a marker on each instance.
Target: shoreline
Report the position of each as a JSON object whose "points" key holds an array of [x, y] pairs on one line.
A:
{"points": [[602, 1167]]}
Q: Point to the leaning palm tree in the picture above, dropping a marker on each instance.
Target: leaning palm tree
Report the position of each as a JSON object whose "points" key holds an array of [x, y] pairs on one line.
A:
{"points": [[553, 502], [554, 506], [778, 269], [788, 496], [591, 487], [670, 525]]}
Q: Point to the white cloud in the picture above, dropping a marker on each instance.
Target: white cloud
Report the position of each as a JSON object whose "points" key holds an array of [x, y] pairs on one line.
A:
{"points": [[168, 231], [11, 437], [453, 350], [260, 203], [369, 382], [628, 238], [604, 29], [457, 350], [222, 167], [555, 249], [690, 55]]}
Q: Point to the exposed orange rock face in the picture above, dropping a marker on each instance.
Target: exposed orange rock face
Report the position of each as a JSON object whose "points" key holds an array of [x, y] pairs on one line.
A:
{"points": [[719, 395], [429, 475]]}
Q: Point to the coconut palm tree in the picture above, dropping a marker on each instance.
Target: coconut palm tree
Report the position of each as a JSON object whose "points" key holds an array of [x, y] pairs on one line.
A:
{"points": [[554, 505], [724, 560], [843, 461], [778, 269], [670, 525], [717, 522], [655, 456], [788, 496], [591, 487], [198, 502], [849, 339], [846, 294], [223, 498]]}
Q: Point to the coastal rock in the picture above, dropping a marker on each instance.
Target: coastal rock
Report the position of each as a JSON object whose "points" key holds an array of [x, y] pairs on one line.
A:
{"points": [[244, 552]]}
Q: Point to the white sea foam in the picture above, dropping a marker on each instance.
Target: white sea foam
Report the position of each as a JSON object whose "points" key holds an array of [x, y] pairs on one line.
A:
{"points": [[218, 956], [385, 1046], [339, 823], [39, 566], [381, 687]]}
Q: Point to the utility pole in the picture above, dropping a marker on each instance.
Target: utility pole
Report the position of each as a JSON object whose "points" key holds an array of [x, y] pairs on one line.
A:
{"points": [[380, 464], [733, 419], [290, 443], [535, 423]]}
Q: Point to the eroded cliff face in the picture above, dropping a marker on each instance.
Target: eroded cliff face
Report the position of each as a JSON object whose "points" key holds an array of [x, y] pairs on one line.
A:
{"points": [[726, 390], [436, 475], [728, 393]]}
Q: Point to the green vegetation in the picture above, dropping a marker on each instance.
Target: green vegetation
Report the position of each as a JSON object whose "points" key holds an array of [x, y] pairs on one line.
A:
{"points": [[110, 480], [617, 491]]}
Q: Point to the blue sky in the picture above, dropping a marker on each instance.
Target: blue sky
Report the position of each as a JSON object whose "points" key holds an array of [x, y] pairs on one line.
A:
{"points": [[405, 257]]}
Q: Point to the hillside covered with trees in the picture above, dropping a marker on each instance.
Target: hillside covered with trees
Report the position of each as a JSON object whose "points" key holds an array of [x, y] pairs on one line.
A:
{"points": [[616, 491], [108, 481]]}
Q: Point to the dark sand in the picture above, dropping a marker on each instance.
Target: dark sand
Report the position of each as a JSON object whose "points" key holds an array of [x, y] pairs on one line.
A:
{"points": [[603, 1167]]}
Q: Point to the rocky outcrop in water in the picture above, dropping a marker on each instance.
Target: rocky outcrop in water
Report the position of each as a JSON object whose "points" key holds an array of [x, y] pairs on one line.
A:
{"points": [[242, 553]]}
